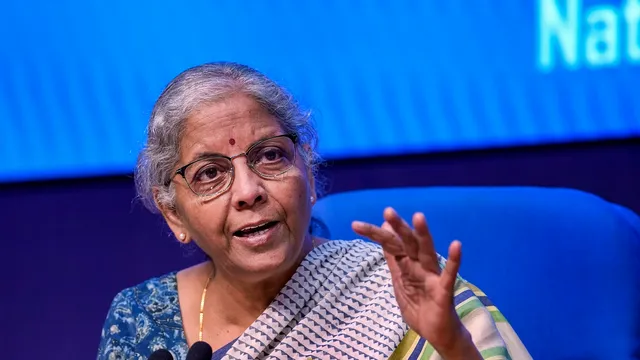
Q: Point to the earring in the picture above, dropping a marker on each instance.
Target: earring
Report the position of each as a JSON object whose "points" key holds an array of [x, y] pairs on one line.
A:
{"points": [[182, 237], [312, 198]]}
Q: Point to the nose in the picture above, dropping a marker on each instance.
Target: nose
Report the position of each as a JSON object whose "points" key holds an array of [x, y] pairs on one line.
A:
{"points": [[247, 189]]}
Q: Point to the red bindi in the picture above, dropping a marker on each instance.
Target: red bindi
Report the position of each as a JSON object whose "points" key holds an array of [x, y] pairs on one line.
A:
{"points": [[232, 141]]}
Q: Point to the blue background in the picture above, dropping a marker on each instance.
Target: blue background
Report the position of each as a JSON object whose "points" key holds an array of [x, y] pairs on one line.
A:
{"points": [[79, 78]]}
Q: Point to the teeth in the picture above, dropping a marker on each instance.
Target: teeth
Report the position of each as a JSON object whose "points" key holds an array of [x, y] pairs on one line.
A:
{"points": [[253, 230], [258, 233], [253, 227]]}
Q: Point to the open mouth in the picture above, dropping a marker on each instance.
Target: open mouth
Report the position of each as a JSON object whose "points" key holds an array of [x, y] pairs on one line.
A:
{"points": [[255, 230]]}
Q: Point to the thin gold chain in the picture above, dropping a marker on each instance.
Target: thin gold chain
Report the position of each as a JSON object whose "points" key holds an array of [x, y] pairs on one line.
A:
{"points": [[204, 295]]}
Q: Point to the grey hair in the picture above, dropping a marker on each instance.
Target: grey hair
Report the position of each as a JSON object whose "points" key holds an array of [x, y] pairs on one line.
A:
{"points": [[184, 94]]}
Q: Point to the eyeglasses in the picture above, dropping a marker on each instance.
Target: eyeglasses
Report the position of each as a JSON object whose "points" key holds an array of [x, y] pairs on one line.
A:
{"points": [[211, 176]]}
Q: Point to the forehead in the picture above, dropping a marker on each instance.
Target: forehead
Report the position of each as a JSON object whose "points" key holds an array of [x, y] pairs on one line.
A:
{"points": [[212, 126]]}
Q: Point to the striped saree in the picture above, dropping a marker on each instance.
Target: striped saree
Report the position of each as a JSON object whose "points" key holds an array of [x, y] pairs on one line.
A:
{"points": [[340, 305]]}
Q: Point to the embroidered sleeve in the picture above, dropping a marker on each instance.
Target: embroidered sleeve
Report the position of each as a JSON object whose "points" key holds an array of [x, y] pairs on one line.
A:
{"points": [[118, 339]]}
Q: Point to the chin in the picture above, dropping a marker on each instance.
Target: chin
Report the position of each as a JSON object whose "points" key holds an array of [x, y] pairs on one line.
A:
{"points": [[268, 262]]}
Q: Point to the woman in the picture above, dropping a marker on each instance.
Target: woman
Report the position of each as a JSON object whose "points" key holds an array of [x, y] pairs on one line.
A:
{"points": [[230, 163]]}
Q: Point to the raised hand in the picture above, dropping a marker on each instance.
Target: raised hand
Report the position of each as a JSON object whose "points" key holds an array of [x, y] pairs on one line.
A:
{"points": [[423, 292]]}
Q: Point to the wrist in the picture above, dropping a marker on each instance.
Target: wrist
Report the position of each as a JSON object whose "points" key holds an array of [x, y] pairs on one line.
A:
{"points": [[460, 347]]}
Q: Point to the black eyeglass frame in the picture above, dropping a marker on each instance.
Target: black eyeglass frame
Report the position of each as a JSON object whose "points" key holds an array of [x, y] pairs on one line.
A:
{"points": [[182, 170]]}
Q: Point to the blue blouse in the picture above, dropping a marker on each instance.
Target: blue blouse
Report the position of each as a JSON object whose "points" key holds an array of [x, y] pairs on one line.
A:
{"points": [[145, 318]]}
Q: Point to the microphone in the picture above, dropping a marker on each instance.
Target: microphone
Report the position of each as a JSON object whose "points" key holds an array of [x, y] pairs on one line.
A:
{"points": [[161, 354], [200, 350]]}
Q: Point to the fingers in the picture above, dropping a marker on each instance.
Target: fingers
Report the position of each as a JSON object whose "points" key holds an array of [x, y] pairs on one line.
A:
{"points": [[398, 239], [428, 256], [383, 236], [417, 244], [387, 226], [405, 232], [450, 272]]}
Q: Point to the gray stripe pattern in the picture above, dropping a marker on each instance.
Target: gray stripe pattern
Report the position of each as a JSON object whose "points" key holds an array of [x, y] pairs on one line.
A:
{"points": [[339, 304]]}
